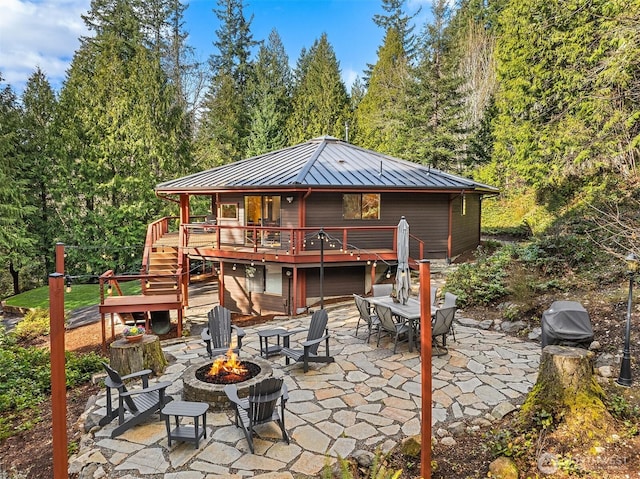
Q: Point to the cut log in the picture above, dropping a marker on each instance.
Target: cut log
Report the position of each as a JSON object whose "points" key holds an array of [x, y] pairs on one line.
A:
{"points": [[127, 358], [567, 392]]}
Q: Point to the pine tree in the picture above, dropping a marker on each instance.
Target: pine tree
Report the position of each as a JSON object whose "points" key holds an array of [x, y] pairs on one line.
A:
{"points": [[16, 241], [122, 134], [224, 127], [38, 168], [398, 20], [320, 100], [435, 120], [379, 115], [270, 98]]}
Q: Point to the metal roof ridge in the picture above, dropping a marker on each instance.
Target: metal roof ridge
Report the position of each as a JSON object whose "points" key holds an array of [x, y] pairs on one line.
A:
{"points": [[310, 162]]}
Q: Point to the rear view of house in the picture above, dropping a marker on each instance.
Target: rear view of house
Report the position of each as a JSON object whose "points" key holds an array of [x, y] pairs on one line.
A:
{"points": [[280, 221]]}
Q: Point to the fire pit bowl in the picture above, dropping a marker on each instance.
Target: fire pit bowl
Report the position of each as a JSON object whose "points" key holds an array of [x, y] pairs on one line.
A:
{"points": [[213, 394]]}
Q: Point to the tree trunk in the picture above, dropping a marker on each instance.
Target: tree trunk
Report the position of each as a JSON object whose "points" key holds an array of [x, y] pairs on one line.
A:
{"points": [[15, 275], [567, 392], [127, 358]]}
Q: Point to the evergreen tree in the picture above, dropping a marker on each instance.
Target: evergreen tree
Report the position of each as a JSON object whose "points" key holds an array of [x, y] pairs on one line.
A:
{"points": [[16, 241], [435, 121], [38, 168], [224, 127], [320, 100], [123, 134], [397, 19], [270, 98], [565, 107], [379, 115]]}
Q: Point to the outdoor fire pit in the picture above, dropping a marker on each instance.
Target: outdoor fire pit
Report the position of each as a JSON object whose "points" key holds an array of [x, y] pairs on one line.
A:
{"points": [[204, 382]]}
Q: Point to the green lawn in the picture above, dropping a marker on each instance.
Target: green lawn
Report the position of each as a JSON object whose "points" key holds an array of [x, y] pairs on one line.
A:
{"points": [[79, 296]]}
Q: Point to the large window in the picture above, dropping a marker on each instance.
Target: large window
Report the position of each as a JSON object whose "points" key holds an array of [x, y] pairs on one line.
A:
{"points": [[361, 206]]}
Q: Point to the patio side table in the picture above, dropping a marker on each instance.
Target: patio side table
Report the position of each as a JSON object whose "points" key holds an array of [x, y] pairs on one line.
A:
{"points": [[186, 433], [264, 335]]}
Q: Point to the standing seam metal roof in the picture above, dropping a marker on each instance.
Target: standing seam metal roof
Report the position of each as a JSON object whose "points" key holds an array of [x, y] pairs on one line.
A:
{"points": [[322, 162]]}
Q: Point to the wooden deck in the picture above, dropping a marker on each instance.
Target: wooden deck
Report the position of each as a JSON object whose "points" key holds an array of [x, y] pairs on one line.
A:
{"points": [[138, 303]]}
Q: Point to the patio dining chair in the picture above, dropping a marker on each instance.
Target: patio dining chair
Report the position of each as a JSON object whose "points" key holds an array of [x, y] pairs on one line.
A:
{"points": [[218, 335], [391, 326], [381, 289], [451, 301], [370, 320], [441, 326]]}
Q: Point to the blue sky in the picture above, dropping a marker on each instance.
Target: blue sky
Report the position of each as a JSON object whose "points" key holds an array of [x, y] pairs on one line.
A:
{"points": [[45, 32]]}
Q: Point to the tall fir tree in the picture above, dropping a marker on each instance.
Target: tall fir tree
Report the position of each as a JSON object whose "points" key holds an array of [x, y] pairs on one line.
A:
{"points": [[270, 98], [40, 147], [224, 125], [435, 119], [16, 240], [123, 134], [379, 115], [320, 100]]}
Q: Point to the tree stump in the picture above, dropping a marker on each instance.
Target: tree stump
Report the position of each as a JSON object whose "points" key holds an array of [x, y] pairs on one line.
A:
{"points": [[566, 391], [127, 358]]}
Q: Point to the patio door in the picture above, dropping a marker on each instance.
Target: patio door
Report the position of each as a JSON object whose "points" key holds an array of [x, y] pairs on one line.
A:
{"points": [[262, 210]]}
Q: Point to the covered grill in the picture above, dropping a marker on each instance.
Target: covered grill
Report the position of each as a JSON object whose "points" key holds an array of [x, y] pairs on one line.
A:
{"points": [[566, 323]]}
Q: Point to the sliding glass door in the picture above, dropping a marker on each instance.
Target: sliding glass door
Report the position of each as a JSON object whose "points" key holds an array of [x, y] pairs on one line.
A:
{"points": [[262, 210]]}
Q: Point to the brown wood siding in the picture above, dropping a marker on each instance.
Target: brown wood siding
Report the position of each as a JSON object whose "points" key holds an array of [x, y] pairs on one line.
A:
{"points": [[228, 235], [236, 297], [340, 281], [465, 228], [427, 215]]}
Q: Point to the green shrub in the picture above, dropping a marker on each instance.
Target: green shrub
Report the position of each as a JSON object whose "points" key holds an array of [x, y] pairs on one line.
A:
{"points": [[482, 282], [34, 324], [25, 380]]}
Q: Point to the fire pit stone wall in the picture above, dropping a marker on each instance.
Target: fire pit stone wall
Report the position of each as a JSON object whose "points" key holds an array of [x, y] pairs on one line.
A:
{"points": [[213, 394]]}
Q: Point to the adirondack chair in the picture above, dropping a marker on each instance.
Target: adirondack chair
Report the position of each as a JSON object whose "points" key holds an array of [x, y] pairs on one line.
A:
{"points": [[318, 332], [371, 320], [217, 336], [441, 326], [390, 325], [139, 403], [260, 406]]}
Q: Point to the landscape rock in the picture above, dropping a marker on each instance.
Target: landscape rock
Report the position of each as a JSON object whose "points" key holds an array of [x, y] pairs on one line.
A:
{"points": [[502, 409], [605, 371], [485, 324], [448, 441], [411, 446], [513, 326], [363, 458], [535, 334]]}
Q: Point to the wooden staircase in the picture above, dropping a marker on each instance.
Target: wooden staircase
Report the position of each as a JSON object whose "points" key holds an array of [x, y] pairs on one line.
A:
{"points": [[163, 265]]}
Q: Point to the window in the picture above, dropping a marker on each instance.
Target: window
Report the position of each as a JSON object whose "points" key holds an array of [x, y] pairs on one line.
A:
{"points": [[361, 206], [273, 279], [229, 211]]}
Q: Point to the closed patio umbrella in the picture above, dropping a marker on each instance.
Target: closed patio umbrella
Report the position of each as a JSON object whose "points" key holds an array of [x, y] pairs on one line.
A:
{"points": [[403, 275]]}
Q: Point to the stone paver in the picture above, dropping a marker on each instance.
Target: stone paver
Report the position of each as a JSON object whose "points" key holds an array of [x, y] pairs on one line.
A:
{"points": [[368, 398]]}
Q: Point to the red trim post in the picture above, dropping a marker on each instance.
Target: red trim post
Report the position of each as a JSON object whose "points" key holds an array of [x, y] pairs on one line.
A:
{"points": [[425, 352], [58, 377]]}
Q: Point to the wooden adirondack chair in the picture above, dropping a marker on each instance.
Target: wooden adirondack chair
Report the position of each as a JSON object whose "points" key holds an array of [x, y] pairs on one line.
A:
{"points": [[138, 403], [317, 333], [260, 406], [217, 336]]}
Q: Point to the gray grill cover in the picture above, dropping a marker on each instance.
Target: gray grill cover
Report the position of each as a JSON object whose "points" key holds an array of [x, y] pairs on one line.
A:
{"points": [[566, 323]]}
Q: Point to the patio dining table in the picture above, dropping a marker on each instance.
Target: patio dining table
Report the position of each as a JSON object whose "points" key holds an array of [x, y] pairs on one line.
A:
{"points": [[409, 311]]}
